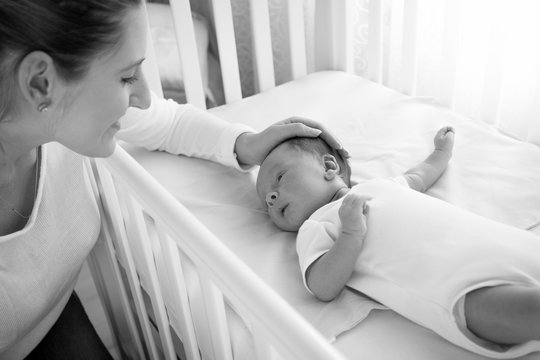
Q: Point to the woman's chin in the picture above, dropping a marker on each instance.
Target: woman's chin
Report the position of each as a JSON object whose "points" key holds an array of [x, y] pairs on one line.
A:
{"points": [[103, 151]]}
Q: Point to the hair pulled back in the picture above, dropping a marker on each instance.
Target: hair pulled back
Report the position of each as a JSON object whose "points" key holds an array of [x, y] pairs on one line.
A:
{"points": [[72, 32]]}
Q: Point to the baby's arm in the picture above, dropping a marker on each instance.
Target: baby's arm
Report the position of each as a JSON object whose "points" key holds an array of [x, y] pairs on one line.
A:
{"points": [[423, 175], [327, 276]]}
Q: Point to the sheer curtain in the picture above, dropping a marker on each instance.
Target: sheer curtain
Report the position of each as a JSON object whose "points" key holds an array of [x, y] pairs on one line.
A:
{"points": [[479, 57]]}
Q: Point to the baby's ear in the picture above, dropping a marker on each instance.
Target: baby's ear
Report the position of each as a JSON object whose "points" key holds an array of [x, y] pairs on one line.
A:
{"points": [[331, 166]]}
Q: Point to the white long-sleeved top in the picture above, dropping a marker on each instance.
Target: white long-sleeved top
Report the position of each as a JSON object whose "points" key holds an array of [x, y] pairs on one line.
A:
{"points": [[40, 263]]}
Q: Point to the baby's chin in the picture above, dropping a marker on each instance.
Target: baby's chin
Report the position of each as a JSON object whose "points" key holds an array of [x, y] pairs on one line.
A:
{"points": [[291, 226], [288, 227]]}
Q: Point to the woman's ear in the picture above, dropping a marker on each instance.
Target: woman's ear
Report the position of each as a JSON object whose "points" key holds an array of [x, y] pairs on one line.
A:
{"points": [[331, 166], [36, 74]]}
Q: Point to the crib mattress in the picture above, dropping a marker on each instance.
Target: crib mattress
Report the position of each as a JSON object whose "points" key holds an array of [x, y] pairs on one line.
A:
{"points": [[386, 133]]}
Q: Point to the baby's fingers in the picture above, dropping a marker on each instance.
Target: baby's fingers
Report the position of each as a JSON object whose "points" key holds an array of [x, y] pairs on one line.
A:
{"points": [[445, 131], [444, 139], [353, 207], [352, 213], [356, 201]]}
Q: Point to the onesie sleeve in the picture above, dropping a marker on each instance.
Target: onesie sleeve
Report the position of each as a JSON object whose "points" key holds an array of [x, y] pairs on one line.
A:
{"points": [[182, 129], [312, 242]]}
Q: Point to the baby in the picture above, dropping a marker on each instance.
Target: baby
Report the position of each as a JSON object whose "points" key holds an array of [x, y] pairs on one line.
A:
{"points": [[443, 270]]}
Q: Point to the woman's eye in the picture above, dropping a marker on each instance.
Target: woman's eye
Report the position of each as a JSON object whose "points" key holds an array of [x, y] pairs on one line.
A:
{"points": [[280, 176], [130, 80]]}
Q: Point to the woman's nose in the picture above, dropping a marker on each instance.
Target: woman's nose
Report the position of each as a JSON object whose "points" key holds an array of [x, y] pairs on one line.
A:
{"points": [[140, 97], [271, 198]]}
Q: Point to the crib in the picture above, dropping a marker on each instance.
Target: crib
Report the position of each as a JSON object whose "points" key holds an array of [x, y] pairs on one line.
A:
{"points": [[188, 266]]}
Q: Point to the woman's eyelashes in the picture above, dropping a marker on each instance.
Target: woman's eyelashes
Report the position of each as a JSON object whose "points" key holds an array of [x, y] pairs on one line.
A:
{"points": [[130, 80]]}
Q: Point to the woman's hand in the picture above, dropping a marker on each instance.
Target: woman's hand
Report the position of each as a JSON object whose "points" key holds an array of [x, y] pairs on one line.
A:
{"points": [[252, 148]]}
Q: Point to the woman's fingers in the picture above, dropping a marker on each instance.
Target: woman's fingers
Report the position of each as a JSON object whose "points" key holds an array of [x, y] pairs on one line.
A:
{"points": [[326, 135]]}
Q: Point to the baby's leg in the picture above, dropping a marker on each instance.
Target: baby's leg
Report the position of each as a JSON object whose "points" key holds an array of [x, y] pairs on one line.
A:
{"points": [[507, 314]]}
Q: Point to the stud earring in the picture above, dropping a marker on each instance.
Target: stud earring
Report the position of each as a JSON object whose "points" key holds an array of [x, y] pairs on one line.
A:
{"points": [[43, 108]]}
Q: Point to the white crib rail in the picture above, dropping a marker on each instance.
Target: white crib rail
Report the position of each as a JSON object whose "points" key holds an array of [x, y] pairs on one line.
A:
{"points": [[133, 202], [227, 50]]}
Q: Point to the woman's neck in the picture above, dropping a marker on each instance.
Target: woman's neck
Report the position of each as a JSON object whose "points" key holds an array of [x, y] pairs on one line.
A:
{"points": [[17, 153]]}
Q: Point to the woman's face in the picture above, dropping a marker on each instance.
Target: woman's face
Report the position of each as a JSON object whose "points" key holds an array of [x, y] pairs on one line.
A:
{"points": [[90, 109]]}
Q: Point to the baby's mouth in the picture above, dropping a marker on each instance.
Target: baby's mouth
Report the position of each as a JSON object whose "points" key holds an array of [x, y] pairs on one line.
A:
{"points": [[282, 210]]}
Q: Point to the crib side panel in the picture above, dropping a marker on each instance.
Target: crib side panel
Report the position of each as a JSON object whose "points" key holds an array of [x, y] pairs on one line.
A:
{"points": [[220, 276]]}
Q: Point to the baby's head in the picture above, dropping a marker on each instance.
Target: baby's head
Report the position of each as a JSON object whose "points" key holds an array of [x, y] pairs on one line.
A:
{"points": [[299, 176]]}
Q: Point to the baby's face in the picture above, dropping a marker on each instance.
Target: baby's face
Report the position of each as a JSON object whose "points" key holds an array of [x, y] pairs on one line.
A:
{"points": [[291, 185]]}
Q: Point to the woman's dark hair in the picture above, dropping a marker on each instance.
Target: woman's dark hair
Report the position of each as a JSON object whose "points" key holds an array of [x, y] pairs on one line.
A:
{"points": [[72, 32]]}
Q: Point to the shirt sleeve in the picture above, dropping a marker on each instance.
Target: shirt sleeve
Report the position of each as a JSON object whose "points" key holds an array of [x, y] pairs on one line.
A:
{"points": [[312, 242], [8, 324], [182, 129]]}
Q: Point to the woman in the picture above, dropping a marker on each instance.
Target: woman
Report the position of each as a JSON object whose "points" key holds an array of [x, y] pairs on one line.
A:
{"points": [[69, 70]]}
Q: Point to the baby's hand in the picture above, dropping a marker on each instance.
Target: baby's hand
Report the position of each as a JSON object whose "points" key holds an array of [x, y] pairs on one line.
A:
{"points": [[352, 213], [444, 139]]}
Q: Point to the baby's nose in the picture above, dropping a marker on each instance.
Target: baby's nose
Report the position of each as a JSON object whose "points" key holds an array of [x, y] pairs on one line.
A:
{"points": [[271, 198]]}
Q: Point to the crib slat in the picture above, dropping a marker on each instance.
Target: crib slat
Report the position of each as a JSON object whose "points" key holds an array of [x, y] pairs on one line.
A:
{"points": [[219, 330], [410, 46], [375, 41], [263, 349], [333, 48], [108, 279], [137, 233], [450, 52], [113, 205], [297, 40], [149, 66], [262, 45], [178, 293], [228, 57], [189, 56]]}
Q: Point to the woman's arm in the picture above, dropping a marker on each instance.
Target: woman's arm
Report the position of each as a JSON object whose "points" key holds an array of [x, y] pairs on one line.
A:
{"points": [[182, 129], [424, 175], [327, 276], [185, 129]]}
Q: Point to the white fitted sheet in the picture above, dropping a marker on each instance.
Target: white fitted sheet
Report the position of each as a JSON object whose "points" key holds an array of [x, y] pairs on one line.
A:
{"points": [[386, 133]]}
